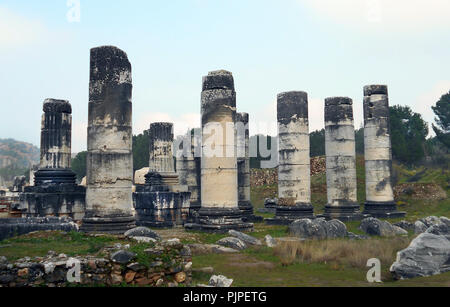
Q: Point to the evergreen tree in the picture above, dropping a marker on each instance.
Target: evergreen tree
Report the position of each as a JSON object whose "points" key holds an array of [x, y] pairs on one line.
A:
{"points": [[442, 111]]}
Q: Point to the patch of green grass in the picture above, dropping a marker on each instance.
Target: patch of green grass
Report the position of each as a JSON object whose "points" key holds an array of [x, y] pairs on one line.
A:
{"points": [[38, 244]]}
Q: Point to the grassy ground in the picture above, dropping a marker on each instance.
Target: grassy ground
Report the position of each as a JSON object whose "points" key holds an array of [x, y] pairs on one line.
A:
{"points": [[328, 263]]}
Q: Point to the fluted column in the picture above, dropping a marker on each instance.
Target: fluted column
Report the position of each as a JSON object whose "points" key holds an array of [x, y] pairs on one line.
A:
{"points": [[56, 144], [161, 161]]}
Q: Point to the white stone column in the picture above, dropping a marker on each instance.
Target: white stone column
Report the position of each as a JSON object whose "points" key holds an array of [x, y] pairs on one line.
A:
{"points": [[380, 201], [294, 169], [341, 160], [219, 177]]}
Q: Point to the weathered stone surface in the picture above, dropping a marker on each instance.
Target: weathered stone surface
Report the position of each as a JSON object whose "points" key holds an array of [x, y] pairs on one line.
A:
{"points": [[142, 232], [445, 220], [220, 281], [220, 206], [52, 270], [340, 160], [123, 257], [440, 230], [318, 229], [420, 227], [109, 199], [431, 221], [244, 237], [378, 154], [270, 242], [233, 243], [376, 227], [428, 255], [405, 225]]}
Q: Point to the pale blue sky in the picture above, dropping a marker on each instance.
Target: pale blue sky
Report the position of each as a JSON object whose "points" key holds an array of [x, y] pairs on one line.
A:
{"points": [[324, 47]]}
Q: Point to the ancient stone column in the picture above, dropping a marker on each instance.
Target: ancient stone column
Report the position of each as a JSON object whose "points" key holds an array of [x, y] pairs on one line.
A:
{"points": [[54, 191], [56, 144], [161, 162], [243, 154], [380, 201], [294, 170], [341, 160], [110, 161], [189, 169], [219, 178]]}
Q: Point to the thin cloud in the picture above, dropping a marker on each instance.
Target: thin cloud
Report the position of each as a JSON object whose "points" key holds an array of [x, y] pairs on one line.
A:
{"points": [[18, 31], [398, 15]]}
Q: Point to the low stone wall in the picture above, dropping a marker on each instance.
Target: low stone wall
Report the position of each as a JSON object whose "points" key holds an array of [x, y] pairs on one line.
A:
{"points": [[167, 264], [11, 227]]}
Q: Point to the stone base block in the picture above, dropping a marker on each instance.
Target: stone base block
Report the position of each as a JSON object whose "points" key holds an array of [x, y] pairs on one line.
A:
{"points": [[54, 177], [286, 215], [54, 200], [270, 206], [219, 220], [161, 207], [344, 213], [387, 210], [114, 224], [11, 227], [248, 213]]}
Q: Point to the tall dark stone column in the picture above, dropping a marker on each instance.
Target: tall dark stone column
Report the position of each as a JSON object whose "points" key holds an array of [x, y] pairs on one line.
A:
{"points": [[341, 160], [219, 180], [380, 201], [294, 170], [110, 160], [55, 192]]}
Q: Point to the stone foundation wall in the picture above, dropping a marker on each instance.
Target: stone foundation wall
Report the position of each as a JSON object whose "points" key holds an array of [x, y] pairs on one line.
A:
{"points": [[168, 264]]}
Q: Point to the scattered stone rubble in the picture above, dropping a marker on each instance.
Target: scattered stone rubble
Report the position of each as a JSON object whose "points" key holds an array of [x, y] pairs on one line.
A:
{"points": [[376, 227]]}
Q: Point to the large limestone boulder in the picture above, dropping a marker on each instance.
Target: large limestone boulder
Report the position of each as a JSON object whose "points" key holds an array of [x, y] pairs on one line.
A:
{"points": [[428, 255], [142, 232], [139, 175], [318, 229], [376, 227]]}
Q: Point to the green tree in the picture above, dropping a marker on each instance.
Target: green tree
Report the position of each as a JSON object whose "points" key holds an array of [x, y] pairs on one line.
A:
{"points": [[141, 150], [359, 141], [317, 140], [79, 165], [442, 111], [408, 134]]}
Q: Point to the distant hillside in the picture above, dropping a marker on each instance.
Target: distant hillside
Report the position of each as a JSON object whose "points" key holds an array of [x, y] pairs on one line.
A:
{"points": [[17, 154]]}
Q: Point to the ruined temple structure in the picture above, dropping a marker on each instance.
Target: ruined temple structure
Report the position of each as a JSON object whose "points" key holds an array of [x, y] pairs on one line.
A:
{"points": [[55, 192], [162, 201], [188, 167], [380, 201], [243, 154], [294, 170], [109, 199], [219, 175], [341, 160]]}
